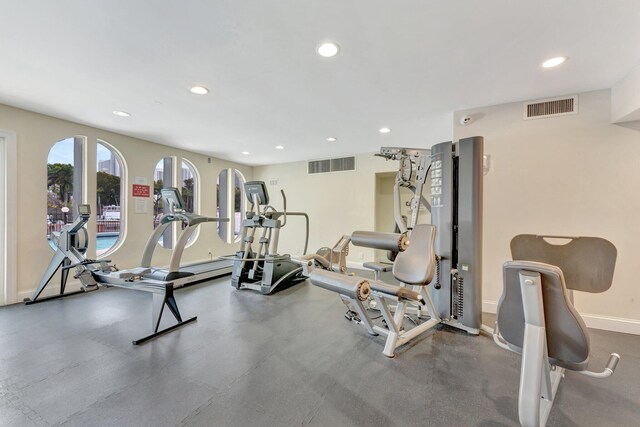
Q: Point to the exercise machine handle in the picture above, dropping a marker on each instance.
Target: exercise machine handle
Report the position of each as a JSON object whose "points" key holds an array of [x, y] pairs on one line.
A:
{"points": [[284, 207], [86, 262], [612, 363]]}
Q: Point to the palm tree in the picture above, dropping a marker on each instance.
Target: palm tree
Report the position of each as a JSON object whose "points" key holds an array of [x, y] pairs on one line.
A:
{"points": [[60, 178]]}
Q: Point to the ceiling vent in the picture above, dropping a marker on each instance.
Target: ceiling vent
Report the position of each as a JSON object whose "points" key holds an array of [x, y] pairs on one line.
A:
{"points": [[332, 165], [551, 108]]}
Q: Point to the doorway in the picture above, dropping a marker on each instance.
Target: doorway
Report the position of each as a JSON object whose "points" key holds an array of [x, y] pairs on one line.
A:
{"points": [[384, 206]]}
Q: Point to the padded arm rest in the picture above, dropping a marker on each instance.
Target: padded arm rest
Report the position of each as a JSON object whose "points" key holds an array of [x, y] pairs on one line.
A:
{"points": [[387, 241], [351, 286], [397, 291]]}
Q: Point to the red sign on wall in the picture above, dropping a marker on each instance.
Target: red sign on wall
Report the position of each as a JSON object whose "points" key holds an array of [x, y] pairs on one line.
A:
{"points": [[140, 190]]}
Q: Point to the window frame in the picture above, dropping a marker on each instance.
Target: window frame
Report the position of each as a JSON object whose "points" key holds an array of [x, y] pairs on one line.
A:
{"points": [[123, 199], [196, 196]]}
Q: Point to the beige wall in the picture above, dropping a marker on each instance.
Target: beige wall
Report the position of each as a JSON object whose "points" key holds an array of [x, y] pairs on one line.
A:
{"points": [[570, 175], [337, 203], [36, 134]]}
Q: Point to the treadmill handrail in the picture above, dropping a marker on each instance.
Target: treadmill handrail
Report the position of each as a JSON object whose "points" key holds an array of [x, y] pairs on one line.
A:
{"points": [[193, 220]]}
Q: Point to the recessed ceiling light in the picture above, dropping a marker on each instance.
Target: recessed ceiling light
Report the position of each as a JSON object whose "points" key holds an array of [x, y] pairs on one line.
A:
{"points": [[199, 90], [384, 130], [328, 49], [554, 62], [122, 113], [246, 153], [279, 147], [332, 139]]}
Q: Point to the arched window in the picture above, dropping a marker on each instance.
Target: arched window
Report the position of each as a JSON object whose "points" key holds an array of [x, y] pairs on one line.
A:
{"points": [[230, 204], [222, 203], [238, 204], [189, 193], [64, 183], [110, 213], [189, 186], [162, 177]]}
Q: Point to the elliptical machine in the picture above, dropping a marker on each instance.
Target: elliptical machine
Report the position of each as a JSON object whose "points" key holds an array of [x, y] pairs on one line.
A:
{"points": [[263, 269]]}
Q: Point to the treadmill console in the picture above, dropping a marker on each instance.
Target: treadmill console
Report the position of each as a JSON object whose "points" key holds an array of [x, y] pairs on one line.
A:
{"points": [[84, 210], [173, 198]]}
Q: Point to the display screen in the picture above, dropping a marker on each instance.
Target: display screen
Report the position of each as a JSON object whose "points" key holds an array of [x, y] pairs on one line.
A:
{"points": [[84, 209]]}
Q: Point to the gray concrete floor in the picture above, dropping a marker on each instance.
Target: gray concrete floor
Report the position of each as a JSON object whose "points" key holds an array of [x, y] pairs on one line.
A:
{"points": [[290, 359]]}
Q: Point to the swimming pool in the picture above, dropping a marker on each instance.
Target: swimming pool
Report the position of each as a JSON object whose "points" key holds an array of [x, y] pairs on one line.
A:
{"points": [[104, 242]]}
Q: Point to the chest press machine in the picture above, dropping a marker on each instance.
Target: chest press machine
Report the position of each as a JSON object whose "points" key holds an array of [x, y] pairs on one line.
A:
{"points": [[445, 254]]}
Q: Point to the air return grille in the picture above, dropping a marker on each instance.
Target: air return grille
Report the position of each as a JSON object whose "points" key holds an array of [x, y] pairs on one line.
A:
{"points": [[551, 108], [332, 165]]}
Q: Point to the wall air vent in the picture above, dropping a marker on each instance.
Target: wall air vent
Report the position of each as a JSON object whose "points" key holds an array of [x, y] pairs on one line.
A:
{"points": [[319, 166], [551, 108], [332, 165]]}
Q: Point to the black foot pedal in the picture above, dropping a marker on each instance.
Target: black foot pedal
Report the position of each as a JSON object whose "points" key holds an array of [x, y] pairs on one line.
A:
{"points": [[352, 316]]}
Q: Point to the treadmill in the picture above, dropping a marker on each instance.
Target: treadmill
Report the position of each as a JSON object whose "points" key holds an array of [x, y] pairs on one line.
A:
{"points": [[181, 275]]}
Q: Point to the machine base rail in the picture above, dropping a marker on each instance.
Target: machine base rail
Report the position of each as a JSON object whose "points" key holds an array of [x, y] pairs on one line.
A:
{"points": [[29, 301], [163, 331]]}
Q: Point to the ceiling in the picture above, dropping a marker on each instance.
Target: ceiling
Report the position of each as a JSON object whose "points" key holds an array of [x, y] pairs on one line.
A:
{"points": [[402, 64]]}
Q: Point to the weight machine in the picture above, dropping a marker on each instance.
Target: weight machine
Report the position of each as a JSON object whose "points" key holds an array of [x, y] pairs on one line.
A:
{"points": [[445, 254]]}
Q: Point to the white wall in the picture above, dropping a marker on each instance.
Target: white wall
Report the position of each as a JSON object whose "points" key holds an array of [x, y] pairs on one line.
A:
{"points": [[337, 203], [571, 175], [36, 134], [625, 98]]}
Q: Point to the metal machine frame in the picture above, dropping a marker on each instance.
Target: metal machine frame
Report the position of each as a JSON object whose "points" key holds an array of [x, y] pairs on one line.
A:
{"points": [[265, 270], [584, 264], [93, 273], [456, 211], [180, 275], [455, 204], [455, 295]]}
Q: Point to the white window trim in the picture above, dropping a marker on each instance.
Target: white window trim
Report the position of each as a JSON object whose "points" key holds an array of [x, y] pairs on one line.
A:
{"points": [[196, 196], [232, 205], [124, 197], [10, 217]]}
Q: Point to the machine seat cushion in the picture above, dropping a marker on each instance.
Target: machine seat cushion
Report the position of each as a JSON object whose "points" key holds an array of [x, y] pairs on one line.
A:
{"points": [[567, 336], [416, 265], [380, 267]]}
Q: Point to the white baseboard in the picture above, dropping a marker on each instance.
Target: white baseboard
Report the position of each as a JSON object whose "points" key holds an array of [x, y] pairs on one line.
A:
{"points": [[489, 306], [595, 321], [51, 290], [609, 323]]}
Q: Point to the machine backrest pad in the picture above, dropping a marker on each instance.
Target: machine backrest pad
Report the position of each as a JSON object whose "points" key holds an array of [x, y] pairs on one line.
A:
{"points": [[416, 265]]}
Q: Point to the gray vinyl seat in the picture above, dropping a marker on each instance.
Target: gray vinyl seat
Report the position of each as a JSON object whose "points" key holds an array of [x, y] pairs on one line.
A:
{"points": [[583, 264], [536, 317], [416, 265], [567, 335]]}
